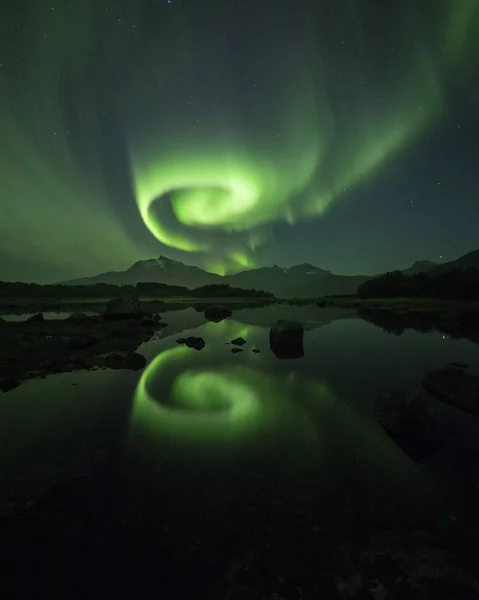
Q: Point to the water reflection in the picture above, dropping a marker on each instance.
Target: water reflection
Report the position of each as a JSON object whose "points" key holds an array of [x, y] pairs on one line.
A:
{"points": [[184, 397]]}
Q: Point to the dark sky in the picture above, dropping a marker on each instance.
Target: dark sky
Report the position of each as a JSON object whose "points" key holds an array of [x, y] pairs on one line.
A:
{"points": [[235, 134]]}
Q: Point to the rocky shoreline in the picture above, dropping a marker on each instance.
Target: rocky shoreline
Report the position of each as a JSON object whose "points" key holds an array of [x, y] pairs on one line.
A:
{"points": [[39, 347]]}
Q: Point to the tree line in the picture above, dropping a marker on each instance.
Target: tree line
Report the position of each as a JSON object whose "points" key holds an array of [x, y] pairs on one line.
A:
{"points": [[453, 284], [106, 290]]}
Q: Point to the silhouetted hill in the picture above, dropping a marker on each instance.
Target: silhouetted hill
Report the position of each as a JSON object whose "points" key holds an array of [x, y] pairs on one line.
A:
{"points": [[467, 261], [300, 281], [155, 270], [420, 266]]}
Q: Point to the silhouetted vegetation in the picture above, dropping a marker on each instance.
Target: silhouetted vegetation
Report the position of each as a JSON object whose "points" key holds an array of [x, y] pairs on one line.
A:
{"points": [[104, 290], [457, 325], [455, 284]]}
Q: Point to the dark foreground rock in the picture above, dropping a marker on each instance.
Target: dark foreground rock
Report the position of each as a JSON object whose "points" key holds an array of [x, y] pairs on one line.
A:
{"points": [[236, 350], [286, 339], [407, 420], [8, 383], [455, 387], [407, 565], [217, 313], [37, 318], [239, 341]]}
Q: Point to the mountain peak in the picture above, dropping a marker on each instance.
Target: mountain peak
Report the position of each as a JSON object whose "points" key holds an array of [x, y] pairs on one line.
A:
{"points": [[420, 266]]}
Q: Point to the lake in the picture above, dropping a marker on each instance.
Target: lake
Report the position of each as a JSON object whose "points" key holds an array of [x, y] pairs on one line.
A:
{"points": [[207, 464]]}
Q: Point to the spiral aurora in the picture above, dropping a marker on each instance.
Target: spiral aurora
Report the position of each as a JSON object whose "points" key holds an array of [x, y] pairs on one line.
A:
{"points": [[132, 129]]}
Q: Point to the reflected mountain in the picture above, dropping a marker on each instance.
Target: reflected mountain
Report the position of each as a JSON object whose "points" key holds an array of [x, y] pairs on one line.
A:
{"points": [[458, 325]]}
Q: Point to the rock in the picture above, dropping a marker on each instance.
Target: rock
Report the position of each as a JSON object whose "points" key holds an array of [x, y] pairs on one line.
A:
{"points": [[124, 360], [38, 318], [195, 342], [181, 341], [8, 383], [78, 317], [217, 313], [238, 341], [256, 351], [125, 308], [415, 565], [453, 386], [286, 339], [236, 350], [409, 423]]}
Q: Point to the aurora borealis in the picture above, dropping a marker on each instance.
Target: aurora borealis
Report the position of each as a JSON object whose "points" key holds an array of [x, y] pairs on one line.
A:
{"points": [[235, 134]]}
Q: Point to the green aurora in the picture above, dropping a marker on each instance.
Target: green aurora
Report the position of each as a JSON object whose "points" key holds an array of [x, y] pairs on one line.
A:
{"points": [[207, 179]]}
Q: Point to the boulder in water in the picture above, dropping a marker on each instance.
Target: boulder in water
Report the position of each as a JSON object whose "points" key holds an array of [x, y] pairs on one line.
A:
{"points": [[286, 339], [405, 417], [455, 387], [239, 341], [217, 313], [197, 343], [37, 318]]}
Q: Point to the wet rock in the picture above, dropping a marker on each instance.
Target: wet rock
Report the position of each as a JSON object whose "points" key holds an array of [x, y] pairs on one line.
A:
{"points": [[37, 318], [256, 351], [236, 350], [239, 341], [286, 339], [409, 423], [217, 313], [181, 340], [124, 360], [195, 342], [455, 387], [8, 383], [125, 308], [397, 566]]}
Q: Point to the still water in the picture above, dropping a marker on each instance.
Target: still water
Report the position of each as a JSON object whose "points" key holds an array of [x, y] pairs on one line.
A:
{"points": [[208, 456]]}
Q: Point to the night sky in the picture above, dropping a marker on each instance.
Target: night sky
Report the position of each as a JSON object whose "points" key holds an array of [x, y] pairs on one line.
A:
{"points": [[236, 134]]}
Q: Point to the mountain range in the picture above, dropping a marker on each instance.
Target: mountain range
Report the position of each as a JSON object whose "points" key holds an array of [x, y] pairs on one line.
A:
{"points": [[304, 280]]}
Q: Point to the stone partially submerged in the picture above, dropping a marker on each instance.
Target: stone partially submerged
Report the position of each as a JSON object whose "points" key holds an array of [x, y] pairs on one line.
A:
{"points": [[217, 313], [455, 387], [197, 343], [406, 419], [286, 339]]}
